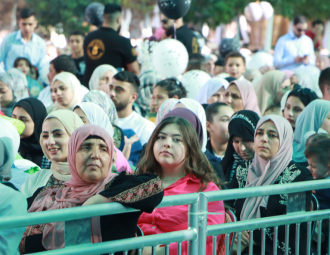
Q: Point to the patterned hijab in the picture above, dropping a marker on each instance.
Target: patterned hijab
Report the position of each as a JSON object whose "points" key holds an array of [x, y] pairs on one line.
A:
{"points": [[75, 192], [265, 172], [165, 108]]}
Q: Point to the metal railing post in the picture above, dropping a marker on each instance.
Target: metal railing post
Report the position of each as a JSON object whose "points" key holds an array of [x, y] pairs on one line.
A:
{"points": [[193, 224], [203, 200]]}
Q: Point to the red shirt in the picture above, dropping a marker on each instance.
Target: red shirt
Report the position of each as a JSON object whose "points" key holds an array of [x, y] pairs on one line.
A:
{"points": [[310, 34], [175, 218]]}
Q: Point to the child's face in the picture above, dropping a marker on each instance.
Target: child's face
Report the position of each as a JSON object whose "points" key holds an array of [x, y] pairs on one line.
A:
{"points": [[23, 66], [235, 67], [117, 137], [76, 43], [318, 169]]}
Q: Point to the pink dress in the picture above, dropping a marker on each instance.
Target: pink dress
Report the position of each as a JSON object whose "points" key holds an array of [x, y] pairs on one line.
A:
{"points": [[175, 218], [121, 162]]}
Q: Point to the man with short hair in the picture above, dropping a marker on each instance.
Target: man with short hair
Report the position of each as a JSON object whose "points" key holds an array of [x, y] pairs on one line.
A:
{"points": [[324, 83], [25, 43], [295, 49], [316, 33], [123, 92], [62, 63], [76, 42], [183, 33], [106, 46]]}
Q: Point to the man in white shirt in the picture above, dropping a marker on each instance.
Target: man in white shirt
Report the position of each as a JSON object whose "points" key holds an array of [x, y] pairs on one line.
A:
{"points": [[124, 92], [295, 49], [324, 83]]}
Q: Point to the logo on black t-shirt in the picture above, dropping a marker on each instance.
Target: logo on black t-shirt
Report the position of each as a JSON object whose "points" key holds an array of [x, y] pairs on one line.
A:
{"points": [[95, 49]]}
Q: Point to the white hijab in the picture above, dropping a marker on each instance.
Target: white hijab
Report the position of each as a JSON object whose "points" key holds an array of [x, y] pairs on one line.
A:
{"points": [[265, 172], [96, 116], [311, 119], [210, 88], [196, 108], [74, 84], [98, 73]]}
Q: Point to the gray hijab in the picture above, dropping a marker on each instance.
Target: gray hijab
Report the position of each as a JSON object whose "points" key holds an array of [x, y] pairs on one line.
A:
{"points": [[265, 172]]}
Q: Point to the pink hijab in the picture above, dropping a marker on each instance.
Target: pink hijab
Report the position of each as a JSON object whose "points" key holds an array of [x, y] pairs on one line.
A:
{"points": [[75, 192], [248, 95]]}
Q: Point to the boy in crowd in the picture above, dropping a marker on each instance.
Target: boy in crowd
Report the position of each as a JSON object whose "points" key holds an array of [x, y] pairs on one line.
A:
{"points": [[76, 42], [235, 65]]}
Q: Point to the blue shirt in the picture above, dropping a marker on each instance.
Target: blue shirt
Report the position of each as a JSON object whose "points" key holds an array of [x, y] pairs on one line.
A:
{"points": [[290, 46], [14, 46]]}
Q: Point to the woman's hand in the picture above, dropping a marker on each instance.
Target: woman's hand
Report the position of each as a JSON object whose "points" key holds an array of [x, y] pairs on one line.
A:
{"points": [[132, 140], [97, 199], [245, 236]]}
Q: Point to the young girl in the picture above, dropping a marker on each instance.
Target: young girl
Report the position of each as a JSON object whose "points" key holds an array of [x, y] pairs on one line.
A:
{"points": [[26, 67], [174, 154]]}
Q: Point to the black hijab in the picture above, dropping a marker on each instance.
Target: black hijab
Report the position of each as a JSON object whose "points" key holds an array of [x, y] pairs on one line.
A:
{"points": [[241, 124], [30, 148]]}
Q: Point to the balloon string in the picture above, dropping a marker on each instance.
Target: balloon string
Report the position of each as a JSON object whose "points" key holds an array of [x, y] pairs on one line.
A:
{"points": [[174, 30]]}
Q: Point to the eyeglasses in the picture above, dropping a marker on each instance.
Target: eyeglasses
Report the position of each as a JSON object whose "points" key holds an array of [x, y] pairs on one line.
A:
{"points": [[301, 30], [164, 21]]}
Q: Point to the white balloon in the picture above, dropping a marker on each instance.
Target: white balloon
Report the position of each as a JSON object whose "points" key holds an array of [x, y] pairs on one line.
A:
{"points": [[193, 81], [260, 59], [253, 12], [267, 10], [170, 58]]}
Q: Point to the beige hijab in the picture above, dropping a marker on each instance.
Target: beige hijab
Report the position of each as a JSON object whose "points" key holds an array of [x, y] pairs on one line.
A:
{"points": [[74, 84], [267, 89], [71, 122]]}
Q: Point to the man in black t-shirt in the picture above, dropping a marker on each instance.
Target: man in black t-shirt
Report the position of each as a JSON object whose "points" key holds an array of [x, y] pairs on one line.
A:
{"points": [[76, 42], [106, 46], [183, 33]]}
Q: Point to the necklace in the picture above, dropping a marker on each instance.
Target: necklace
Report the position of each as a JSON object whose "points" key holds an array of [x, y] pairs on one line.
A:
{"points": [[168, 180]]}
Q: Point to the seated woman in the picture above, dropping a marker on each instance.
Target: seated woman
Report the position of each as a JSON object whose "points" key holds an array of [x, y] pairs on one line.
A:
{"points": [[66, 89], [314, 117], [56, 132], [217, 116], [102, 75], [296, 102], [174, 154], [213, 91], [240, 95], [272, 164], [90, 156], [91, 113], [163, 90], [32, 113], [103, 100], [240, 149], [12, 89]]}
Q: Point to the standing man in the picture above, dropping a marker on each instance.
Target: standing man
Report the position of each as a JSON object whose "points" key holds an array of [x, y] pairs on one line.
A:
{"points": [[183, 33], [76, 42], [25, 43], [123, 92], [106, 46], [316, 33], [294, 49]]}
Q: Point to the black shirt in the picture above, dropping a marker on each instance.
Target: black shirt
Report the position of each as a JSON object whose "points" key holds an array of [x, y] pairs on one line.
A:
{"points": [[188, 39], [106, 46], [81, 67]]}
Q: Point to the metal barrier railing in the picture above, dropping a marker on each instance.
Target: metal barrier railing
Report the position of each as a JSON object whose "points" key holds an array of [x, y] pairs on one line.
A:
{"points": [[77, 221]]}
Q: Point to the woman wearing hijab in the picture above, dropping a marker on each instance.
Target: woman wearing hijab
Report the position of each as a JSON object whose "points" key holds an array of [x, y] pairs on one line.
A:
{"points": [[90, 185], [165, 108], [270, 90], [196, 108], [102, 75], [240, 95], [213, 91], [251, 74], [296, 102], [12, 89], [57, 129], [32, 113], [240, 150], [315, 117], [273, 165], [103, 100], [91, 113], [66, 88], [12, 202]]}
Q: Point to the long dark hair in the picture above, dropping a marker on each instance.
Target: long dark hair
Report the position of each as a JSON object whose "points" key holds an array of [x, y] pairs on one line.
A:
{"points": [[195, 161]]}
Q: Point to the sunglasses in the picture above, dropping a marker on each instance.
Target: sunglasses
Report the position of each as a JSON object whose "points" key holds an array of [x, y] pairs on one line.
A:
{"points": [[164, 21], [301, 30]]}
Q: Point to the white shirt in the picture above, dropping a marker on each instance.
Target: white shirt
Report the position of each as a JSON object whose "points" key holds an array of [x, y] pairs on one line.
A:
{"points": [[141, 126], [290, 46]]}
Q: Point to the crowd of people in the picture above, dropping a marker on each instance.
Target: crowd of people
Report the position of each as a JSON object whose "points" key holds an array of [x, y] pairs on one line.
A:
{"points": [[89, 128]]}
